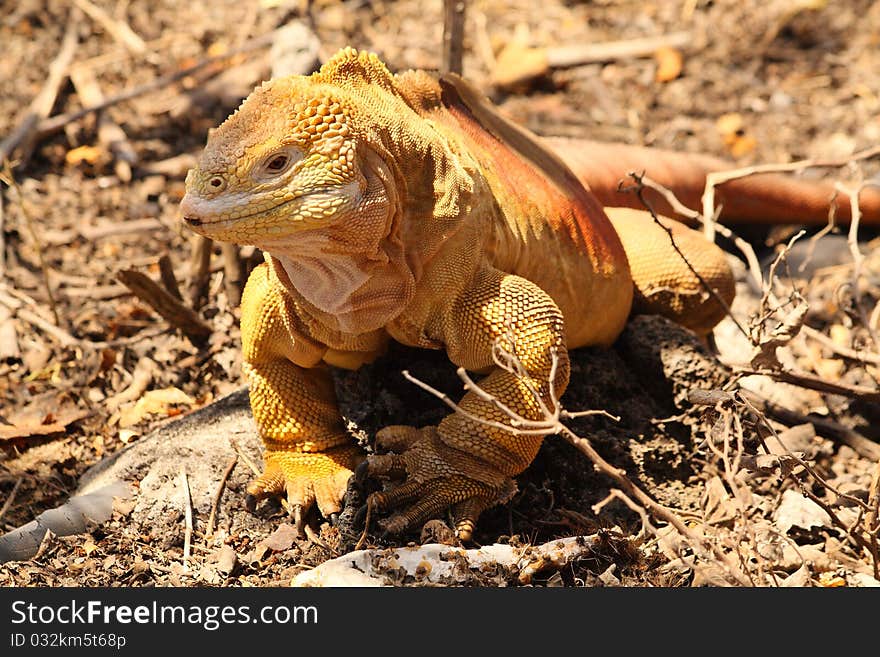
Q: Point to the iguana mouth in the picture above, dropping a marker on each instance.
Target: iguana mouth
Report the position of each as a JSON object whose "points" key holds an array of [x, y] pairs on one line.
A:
{"points": [[327, 201]]}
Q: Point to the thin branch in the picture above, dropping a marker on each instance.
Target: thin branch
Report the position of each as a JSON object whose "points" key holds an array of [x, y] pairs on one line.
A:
{"points": [[165, 304], [119, 30], [199, 269], [9, 178], [25, 133], [9, 500], [716, 178], [218, 494], [639, 191], [852, 239], [57, 122], [187, 516], [453, 35], [852, 354], [812, 382], [872, 526], [552, 425]]}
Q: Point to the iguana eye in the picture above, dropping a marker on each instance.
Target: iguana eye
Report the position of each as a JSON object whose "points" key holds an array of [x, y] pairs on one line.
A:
{"points": [[277, 163]]}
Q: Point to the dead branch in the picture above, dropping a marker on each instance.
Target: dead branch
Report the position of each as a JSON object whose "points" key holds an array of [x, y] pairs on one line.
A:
{"points": [[218, 494], [9, 178], [852, 239], [25, 133], [681, 209], [53, 124], [453, 35], [639, 190], [852, 354], [826, 428], [517, 64], [169, 280], [110, 135], [187, 517], [7, 504], [872, 526], [812, 382], [551, 424], [233, 273], [716, 178], [199, 269], [19, 309], [166, 305], [119, 30]]}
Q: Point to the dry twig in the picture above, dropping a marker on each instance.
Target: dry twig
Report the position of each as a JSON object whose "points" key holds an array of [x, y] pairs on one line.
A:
{"points": [[53, 124], [187, 516], [9, 178], [118, 29], [9, 500], [872, 519], [551, 423], [25, 133], [233, 273], [169, 279], [199, 269], [716, 178], [218, 494], [852, 239], [170, 308], [453, 35]]}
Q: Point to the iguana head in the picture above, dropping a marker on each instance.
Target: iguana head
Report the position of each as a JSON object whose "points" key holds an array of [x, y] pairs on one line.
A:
{"points": [[298, 155]]}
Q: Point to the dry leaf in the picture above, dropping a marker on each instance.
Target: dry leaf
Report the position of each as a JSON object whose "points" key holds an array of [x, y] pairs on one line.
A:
{"points": [[830, 369], [729, 124], [795, 510], [830, 580], [48, 425], [764, 355], [800, 577], [87, 154], [154, 402], [840, 335], [281, 539], [718, 506], [731, 127], [516, 65], [669, 63]]}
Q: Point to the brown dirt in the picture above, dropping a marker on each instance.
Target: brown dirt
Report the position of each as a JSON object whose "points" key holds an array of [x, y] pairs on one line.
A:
{"points": [[793, 85]]}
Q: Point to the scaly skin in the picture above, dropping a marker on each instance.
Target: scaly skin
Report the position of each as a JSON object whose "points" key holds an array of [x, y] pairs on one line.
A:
{"points": [[403, 207]]}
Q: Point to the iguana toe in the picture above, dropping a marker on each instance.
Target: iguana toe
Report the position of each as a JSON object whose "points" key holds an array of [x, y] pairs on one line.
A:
{"points": [[435, 478], [306, 478]]}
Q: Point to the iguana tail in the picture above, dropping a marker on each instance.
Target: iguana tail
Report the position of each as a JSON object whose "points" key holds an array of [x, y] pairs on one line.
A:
{"points": [[762, 198]]}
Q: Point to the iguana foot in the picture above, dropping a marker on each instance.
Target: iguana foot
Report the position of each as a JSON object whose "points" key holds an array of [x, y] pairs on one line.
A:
{"points": [[306, 478], [432, 477]]}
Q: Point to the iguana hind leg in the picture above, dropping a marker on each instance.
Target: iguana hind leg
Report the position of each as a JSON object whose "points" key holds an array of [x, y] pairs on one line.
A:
{"points": [[465, 463], [308, 455], [664, 283]]}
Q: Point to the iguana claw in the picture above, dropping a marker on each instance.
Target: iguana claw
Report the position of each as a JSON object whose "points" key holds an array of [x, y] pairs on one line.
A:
{"points": [[434, 478], [305, 479]]}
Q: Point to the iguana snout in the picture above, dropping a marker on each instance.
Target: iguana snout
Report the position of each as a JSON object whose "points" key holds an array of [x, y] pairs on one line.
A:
{"points": [[284, 162]]}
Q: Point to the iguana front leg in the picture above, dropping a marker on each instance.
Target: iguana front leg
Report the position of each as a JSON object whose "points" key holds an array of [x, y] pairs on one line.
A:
{"points": [[308, 455], [463, 463]]}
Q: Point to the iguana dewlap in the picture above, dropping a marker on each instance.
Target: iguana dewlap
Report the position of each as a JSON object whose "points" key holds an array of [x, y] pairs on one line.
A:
{"points": [[404, 207]]}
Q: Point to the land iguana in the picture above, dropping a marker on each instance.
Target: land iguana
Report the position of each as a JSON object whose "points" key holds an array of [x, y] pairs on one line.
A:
{"points": [[405, 207]]}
